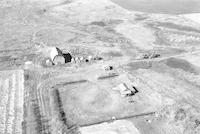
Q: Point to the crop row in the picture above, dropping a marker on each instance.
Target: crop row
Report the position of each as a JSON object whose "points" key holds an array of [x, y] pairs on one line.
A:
{"points": [[3, 103], [11, 103]]}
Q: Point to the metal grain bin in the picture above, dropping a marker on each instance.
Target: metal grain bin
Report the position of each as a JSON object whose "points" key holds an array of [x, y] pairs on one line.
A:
{"points": [[57, 56]]}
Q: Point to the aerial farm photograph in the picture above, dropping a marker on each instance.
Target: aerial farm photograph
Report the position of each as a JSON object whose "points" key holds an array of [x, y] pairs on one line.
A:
{"points": [[99, 66]]}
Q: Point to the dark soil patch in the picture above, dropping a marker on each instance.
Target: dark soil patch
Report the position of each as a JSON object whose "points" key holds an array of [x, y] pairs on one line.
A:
{"points": [[169, 51], [115, 22], [178, 27], [140, 17], [98, 23], [181, 64], [139, 65], [113, 54]]}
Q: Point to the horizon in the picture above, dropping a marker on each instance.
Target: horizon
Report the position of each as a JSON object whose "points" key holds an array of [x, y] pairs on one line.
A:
{"points": [[161, 6]]}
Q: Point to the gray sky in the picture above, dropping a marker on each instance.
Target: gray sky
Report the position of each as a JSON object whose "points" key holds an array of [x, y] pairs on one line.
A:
{"points": [[161, 6]]}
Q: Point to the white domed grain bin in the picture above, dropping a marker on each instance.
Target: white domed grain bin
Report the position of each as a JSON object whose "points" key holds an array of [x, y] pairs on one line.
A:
{"points": [[57, 56]]}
